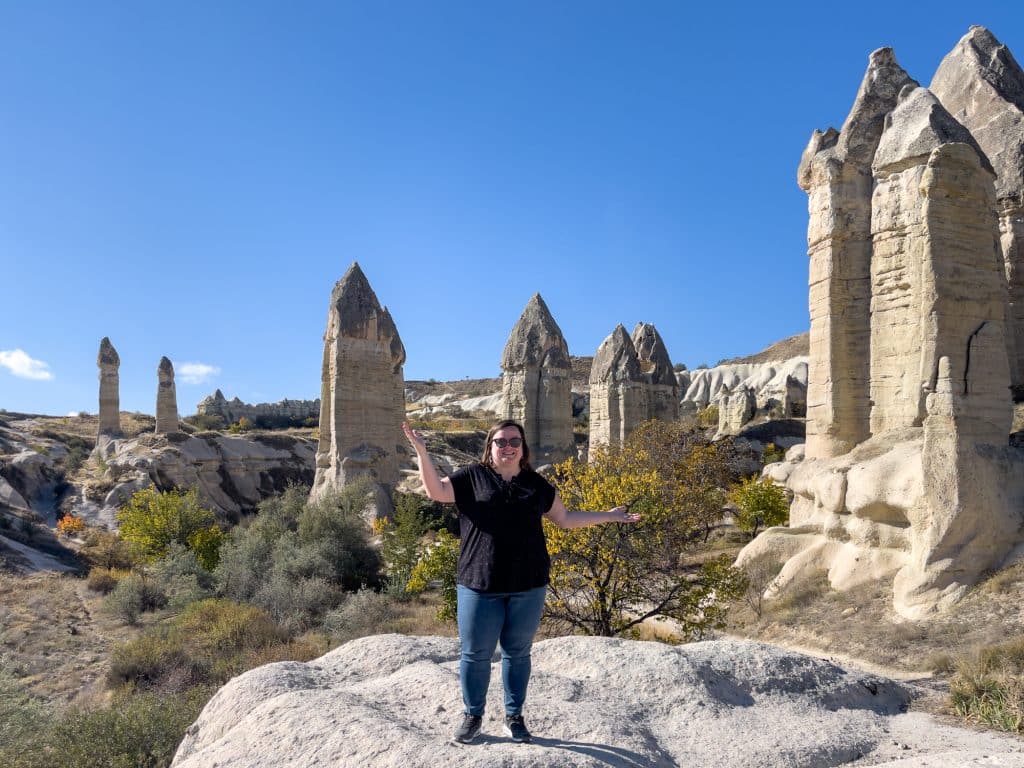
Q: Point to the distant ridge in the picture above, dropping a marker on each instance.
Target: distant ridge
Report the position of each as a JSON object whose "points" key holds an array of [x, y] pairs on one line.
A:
{"points": [[794, 346]]}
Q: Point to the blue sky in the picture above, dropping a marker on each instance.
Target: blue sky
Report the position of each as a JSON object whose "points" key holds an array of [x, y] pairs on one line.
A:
{"points": [[191, 178]]}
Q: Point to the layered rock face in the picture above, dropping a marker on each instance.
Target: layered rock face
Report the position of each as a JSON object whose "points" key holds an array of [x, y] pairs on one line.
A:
{"points": [[536, 384], [166, 399], [656, 367], [781, 384], [922, 487], [234, 409], [835, 171], [108, 362], [232, 474], [362, 392], [734, 410], [619, 392], [982, 86]]}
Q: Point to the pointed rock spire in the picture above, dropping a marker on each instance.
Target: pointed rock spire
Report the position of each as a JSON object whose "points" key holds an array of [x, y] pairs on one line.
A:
{"points": [[618, 391], [166, 399], [537, 383], [656, 365], [615, 360], [108, 361], [362, 399]]}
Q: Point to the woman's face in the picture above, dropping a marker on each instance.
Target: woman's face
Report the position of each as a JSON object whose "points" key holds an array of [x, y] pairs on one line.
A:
{"points": [[507, 455]]}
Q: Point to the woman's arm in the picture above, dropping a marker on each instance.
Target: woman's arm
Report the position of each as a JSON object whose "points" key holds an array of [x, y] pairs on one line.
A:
{"points": [[564, 518], [438, 488]]}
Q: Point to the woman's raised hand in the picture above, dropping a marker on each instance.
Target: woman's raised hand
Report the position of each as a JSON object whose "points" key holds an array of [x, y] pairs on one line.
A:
{"points": [[414, 437]]}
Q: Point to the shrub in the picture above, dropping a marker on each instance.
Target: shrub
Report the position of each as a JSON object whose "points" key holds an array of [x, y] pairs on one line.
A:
{"points": [[206, 422], [69, 525], [103, 580], [181, 578], [152, 519], [207, 643], [362, 613], [131, 596], [107, 550], [708, 417], [760, 503], [438, 563], [771, 454]]}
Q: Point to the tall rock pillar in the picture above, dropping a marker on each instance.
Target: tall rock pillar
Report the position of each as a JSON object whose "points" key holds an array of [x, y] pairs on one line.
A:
{"points": [[937, 276], [656, 367], [982, 86], [536, 387], [108, 362], [618, 391], [362, 401], [166, 399], [835, 171]]}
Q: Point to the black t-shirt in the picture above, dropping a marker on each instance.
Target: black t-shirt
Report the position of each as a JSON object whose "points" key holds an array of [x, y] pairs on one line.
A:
{"points": [[503, 548]]}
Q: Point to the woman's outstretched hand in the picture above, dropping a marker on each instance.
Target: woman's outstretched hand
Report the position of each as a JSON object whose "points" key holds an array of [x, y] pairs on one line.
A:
{"points": [[414, 437], [621, 514]]}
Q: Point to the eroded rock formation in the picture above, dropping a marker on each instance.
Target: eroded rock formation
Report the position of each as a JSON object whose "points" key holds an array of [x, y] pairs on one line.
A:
{"points": [[619, 391], [166, 399], [982, 86], [362, 392], [908, 473], [284, 411], [656, 367], [537, 383], [734, 410], [108, 362]]}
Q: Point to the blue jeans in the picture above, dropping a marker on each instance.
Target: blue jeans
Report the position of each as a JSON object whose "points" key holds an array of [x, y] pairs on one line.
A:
{"points": [[485, 618]]}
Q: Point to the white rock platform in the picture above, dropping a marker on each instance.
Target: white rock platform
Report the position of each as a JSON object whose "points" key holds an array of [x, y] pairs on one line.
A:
{"points": [[393, 700]]}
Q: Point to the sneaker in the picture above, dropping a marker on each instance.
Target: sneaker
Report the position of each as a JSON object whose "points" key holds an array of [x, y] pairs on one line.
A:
{"points": [[469, 729], [516, 728]]}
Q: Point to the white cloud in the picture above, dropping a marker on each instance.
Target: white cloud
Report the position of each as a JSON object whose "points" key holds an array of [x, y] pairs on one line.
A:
{"points": [[23, 366], [196, 373]]}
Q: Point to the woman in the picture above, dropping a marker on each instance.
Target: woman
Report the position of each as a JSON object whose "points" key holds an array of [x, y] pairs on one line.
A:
{"points": [[503, 564]]}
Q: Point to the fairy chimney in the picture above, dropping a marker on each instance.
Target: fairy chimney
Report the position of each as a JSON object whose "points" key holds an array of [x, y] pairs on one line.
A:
{"points": [[166, 399], [618, 391], [362, 400], [656, 367], [835, 171], [108, 362], [536, 386], [982, 86]]}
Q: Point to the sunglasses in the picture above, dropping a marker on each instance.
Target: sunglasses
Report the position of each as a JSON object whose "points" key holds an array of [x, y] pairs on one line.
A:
{"points": [[511, 442]]}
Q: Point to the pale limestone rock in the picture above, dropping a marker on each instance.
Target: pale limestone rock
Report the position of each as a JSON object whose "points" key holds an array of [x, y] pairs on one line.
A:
{"points": [[936, 276], [166, 399], [774, 383], [537, 383], [362, 400], [935, 496], [618, 391], [835, 171], [982, 86], [108, 362], [734, 410], [656, 366], [232, 474]]}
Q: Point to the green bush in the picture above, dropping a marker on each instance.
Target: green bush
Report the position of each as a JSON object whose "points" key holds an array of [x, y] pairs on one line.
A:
{"points": [[181, 578], [298, 556], [131, 596], [362, 613], [152, 520], [401, 543], [760, 503], [103, 580]]}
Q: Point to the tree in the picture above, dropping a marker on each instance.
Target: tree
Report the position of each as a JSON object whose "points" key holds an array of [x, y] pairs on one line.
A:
{"points": [[401, 542], [760, 503], [439, 562], [152, 519], [607, 579]]}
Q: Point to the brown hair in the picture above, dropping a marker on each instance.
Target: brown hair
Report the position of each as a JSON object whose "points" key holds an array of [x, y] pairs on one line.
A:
{"points": [[524, 460]]}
